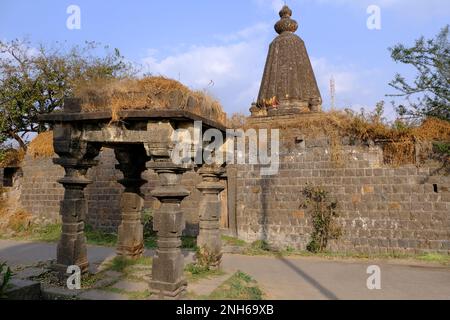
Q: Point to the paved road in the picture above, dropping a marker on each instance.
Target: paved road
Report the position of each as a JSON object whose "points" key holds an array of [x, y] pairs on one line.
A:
{"points": [[292, 278], [313, 278]]}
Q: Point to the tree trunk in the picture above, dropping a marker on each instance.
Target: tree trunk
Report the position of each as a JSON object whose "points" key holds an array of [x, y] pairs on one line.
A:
{"points": [[16, 137]]}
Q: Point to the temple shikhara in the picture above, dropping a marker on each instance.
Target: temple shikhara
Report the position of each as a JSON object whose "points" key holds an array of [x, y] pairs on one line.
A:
{"points": [[288, 85]]}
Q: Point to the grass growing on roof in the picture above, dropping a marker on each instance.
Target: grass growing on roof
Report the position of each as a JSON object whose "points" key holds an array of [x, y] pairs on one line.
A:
{"points": [[42, 146], [151, 93], [11, 157]]}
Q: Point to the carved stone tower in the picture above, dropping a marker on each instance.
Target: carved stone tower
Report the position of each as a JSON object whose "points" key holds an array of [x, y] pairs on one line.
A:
{"points": [[288, 85]]}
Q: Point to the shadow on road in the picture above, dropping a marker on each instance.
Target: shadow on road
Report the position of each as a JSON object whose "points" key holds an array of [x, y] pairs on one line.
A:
{"points": [[324, 291]]}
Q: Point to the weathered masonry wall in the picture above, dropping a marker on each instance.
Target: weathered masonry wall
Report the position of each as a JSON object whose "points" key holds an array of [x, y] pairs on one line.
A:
{"points": [[382, 209], [41, 193]]}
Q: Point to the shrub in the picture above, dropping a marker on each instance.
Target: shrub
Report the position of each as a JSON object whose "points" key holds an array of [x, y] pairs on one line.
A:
{"points": [[323, 211]]}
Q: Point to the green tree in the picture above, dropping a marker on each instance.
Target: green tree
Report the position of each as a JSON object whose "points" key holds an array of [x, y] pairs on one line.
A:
{"points": [[429, 93], [35, 81]]}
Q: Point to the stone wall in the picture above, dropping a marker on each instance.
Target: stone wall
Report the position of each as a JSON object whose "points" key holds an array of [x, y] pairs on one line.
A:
{"points": [[41, 193], [382, 209]]}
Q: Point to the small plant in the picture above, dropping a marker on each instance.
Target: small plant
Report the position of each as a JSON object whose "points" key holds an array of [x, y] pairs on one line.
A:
{"points": [[99, 238], [189, 243], [324, 213], [442, 148], [196, 269], [205, 258], [289, 250], [5, 277], [147, 221], [260, 245], [197, 272]]}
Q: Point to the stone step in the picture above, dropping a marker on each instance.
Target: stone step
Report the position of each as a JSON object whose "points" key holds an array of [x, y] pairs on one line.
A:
{"points": [[20, 289]]}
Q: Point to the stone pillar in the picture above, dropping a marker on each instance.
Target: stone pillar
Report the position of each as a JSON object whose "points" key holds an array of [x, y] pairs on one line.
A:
{"points": [[132, 162], [168, 281], [209, 239], [76, 157]]}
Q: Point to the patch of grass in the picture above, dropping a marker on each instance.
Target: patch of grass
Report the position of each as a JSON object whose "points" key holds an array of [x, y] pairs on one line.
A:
{"points": [[428, 257], [100, 238], [239, 287], [120, 264], [195, 272], [435, 258], [233, 241], [150, 242], [189, 243], [139, 295], [89, 280], [259, 247], [52, 233], [131, 295], [48, 233]]}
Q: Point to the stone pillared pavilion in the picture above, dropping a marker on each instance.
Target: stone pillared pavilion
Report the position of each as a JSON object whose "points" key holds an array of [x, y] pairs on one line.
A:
{"points": [[289, 85]]}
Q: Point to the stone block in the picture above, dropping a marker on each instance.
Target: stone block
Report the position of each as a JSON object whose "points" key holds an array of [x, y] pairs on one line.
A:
{"points": [[20, 289]]}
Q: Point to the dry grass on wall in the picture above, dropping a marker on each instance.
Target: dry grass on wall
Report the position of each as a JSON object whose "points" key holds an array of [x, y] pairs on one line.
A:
{"points": [[12, 218], [154, 93], [398, 142], [42, 146], [11, 158]]}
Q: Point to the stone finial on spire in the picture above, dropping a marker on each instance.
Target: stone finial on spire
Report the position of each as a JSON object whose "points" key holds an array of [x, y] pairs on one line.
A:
{"points": [[289, 85], [286, 23]]}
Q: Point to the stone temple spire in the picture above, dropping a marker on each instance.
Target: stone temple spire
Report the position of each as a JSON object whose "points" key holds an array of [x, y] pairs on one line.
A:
{"points": [[288, 85]]}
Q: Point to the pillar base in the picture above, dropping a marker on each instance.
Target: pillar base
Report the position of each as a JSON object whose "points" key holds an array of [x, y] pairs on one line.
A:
{"points": [[130, 252], [168, 291]]}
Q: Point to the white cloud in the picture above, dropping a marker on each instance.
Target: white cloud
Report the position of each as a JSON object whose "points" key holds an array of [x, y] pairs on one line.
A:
{"points": [[232, 69]]}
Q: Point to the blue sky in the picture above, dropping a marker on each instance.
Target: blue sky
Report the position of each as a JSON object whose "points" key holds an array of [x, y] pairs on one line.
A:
{"points": [[226, 42]]}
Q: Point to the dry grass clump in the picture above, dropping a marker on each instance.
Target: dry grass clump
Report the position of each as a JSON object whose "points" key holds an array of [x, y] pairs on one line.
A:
{"points": [[433, 129], [11, 158], [42, 146], [237, 121], [154, 93], [12, 218], [311, 125], [20, 220]]}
